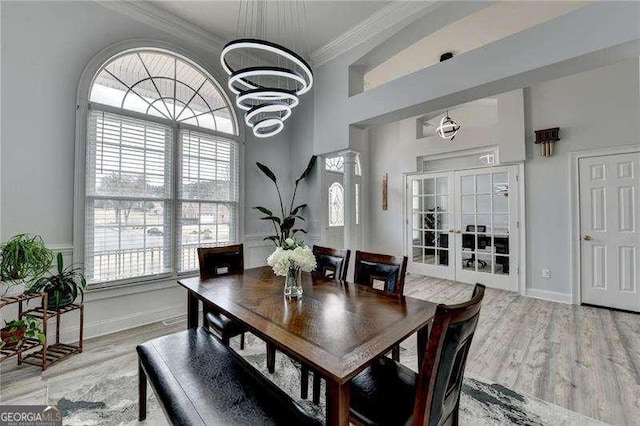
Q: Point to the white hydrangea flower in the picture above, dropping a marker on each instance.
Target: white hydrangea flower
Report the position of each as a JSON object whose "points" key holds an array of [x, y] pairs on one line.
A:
{"points": [[280, 260]]}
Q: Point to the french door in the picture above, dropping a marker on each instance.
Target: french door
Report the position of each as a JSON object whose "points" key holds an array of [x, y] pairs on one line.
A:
{"points": [[463, 226]]}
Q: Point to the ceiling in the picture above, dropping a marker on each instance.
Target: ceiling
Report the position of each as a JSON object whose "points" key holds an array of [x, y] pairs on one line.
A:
{"points": [[326, 20]]}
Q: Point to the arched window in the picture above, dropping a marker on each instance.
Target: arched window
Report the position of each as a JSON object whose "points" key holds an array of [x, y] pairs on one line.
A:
{"points": [[336, 205], [162, 166]]}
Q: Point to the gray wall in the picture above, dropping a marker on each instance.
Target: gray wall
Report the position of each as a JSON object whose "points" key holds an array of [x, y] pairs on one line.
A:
{"points": [[45, 47], [594, 109], [584, 39]]}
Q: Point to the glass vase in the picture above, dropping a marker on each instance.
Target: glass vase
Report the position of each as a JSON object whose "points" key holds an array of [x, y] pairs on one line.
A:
{"points": [[293, 282]]}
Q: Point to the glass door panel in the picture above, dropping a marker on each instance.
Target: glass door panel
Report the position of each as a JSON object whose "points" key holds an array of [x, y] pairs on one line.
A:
{"points": [[486, 218], [430, 208]]}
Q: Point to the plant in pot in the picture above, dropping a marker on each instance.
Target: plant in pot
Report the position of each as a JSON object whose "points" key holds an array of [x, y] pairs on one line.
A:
{"points": [[14, 332], [23, 259], [63, 287], [291, 256]]}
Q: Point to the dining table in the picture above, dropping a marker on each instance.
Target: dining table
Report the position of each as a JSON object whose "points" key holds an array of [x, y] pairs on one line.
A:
{"points": [[336, 328]]}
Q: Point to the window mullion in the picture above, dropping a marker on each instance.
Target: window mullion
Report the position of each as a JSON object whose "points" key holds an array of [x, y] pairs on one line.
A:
{"points": [[176, 205]]}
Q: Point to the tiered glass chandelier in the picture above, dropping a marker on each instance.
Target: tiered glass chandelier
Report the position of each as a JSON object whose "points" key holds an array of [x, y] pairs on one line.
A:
{"points": [[267, 78]]}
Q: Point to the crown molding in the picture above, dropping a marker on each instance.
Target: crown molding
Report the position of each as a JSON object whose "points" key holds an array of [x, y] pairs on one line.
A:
{"points": [[159, 18], [394, 13]]}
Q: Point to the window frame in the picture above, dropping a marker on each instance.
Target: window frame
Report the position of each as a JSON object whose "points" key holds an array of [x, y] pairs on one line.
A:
{"points": [[83, 108]]}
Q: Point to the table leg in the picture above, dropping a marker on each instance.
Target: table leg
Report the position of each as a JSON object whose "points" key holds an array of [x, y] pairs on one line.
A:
{"points": [[192, 310], [337, 403], [423, 337]]}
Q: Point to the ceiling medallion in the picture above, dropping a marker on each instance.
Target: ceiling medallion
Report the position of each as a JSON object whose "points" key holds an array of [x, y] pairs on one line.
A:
{"points": [[267, 78], [448, 128]]}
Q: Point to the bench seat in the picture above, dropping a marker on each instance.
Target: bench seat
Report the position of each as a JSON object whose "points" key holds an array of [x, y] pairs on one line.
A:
{"points": [[200, 381]]}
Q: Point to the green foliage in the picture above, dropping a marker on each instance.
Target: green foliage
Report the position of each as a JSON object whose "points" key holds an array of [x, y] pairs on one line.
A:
{"points": [[68, 281], [31, 327], [284, 225], [24, 258]]}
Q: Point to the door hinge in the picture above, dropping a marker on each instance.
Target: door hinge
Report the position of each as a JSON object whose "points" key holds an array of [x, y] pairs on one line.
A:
{"points": [[518, 224], [518, 271], [517, 178]]}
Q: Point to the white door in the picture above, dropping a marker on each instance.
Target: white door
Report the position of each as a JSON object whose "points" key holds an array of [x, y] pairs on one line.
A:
{"points": [[487, 222], [430, 204], [610, 240]]}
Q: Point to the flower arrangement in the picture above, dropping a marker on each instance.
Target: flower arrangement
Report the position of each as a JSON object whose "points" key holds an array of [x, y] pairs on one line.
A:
{"points": [[294, 253], [288, 260]]}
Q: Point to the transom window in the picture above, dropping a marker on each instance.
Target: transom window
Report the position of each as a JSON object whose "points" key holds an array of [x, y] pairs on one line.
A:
{"points": [[162, 167], [336, 165]]}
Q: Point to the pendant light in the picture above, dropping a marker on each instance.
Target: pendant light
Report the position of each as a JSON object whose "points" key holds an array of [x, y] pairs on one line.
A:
{"points": [[267, 77], [448, 128]]}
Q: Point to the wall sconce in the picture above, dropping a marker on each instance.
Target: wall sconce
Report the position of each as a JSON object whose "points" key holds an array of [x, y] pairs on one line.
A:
{"points": [[546, 138]]}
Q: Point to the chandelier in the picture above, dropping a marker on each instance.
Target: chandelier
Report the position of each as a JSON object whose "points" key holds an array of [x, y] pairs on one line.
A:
{"points": [[448, 128], [267, 78]]}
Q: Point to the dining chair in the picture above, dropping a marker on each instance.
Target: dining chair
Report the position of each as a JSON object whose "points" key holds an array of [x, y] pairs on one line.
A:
{"points": [[332, 263], [389, 270], [388, 393], [215, 262]]}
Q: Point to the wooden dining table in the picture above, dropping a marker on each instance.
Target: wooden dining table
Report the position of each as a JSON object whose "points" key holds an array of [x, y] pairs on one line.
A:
{"points": [[336, 328]]}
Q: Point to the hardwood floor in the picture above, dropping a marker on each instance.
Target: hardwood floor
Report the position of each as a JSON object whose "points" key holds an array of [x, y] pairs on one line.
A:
{"points": [[582, 358]]}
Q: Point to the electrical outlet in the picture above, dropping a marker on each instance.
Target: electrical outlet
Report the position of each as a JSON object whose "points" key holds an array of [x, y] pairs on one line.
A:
{"points": [[546, 273]]}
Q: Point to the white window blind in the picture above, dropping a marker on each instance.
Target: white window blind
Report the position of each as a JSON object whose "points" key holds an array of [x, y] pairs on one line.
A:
{"points": [[208, 188], [128, 198]]}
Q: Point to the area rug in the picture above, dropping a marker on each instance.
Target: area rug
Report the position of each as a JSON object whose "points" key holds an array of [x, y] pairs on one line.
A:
{"points": [[108, 396]]}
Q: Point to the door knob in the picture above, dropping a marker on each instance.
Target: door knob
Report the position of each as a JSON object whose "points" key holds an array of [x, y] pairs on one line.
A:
{"points": [[587, 238], [458, 231], [451, 231]]}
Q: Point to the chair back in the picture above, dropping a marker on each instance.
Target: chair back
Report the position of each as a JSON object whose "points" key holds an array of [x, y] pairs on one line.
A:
{"points": [[332, 263], [372, 267], [216, 261], [442, 368]]}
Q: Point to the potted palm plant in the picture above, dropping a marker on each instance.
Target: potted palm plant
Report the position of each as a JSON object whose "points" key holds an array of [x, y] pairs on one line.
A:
{"points": [[63, 287], [23, 258], [14, 332]]}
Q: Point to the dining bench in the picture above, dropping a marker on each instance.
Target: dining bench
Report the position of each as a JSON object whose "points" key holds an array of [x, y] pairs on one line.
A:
{"points": [[199, 381]]}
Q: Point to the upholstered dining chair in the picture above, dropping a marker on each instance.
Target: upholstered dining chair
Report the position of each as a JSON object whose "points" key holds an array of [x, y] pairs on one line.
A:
{"points": [[215, 262], [332, 263], [388, 393], [390, 271]]}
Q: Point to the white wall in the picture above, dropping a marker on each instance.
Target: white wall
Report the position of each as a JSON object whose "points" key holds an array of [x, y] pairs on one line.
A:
{"points": [[45, 47], [583, 39], [593, 109], [393, 149]]}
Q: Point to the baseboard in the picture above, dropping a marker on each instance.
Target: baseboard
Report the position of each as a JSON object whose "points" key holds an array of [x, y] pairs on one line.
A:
{"points": [[553, 296]]}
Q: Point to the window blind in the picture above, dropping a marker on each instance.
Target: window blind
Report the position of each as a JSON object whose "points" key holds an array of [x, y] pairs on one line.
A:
{"points": [[128, 198], [208, 193]]}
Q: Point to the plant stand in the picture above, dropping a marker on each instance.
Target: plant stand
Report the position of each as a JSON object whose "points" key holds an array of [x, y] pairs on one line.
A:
{"points": [[50, 354], [27, 344]]}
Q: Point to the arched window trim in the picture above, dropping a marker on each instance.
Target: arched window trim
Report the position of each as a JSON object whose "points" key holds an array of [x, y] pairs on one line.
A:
{"points": [[83, 106]]}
